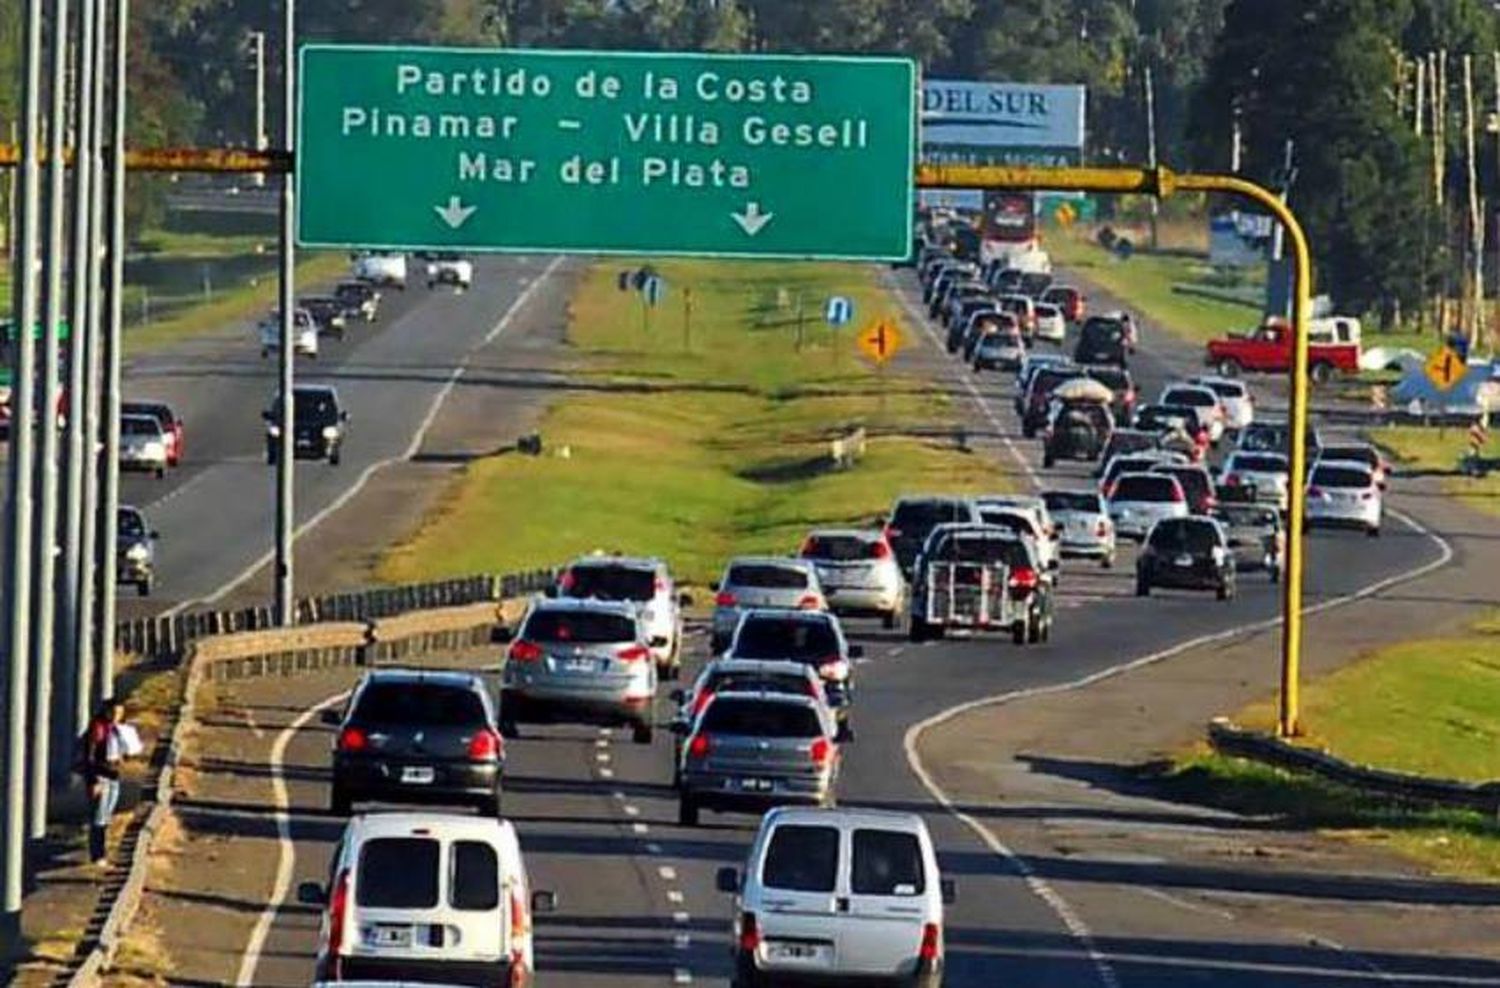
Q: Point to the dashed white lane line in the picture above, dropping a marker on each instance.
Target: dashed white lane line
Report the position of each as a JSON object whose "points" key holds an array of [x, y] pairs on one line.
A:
{"points": [[640, 828], [682, 976], [602, 743], [667, 873], [632, 810], [619, 794], [681, 918], [606, 773], [682, 941], [602, 757], [674, 897]]}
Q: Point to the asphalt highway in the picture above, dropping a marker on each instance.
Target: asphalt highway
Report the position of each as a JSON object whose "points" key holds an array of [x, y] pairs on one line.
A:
{"points": [[597, 816]]}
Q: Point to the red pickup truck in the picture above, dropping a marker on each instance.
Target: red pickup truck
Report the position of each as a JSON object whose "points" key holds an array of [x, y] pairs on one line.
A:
{"points": [[1269, 348]]}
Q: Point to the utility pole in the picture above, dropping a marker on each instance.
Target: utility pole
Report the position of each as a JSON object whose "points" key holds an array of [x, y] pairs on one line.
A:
{"points": [[98, 567], [77, 582], [1236, 140], [44, 612], [113, 341], [258, 50], [18, 520], [1278, 234], [1151, 150], [1476, 221], [285, 510]]}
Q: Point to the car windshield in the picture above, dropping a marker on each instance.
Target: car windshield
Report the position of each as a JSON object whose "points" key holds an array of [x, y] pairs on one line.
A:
{"points": [[1145, 487], [886, 862], [129, 523], [314, 406], [1184, 536], [766, 576], [1332, 476], [840, 548], [1247, 515], [398, 873], [1046, 380], [1263, 463], [418, 704], [1111, 377], [161, 413], [581, 627], [1072, 501], [1017, 523], [139, 425], [919, 516], [610, 582], [1097, 332], [756, 682], [982, 549], [785, 638], [760, 719], [802, 859]]}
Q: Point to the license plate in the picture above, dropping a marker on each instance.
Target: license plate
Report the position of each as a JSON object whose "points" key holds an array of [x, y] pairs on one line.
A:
{"points": [[756, 785], [807, 953], [581, 665], [1183, 560], [418, 775], [391, 936]]}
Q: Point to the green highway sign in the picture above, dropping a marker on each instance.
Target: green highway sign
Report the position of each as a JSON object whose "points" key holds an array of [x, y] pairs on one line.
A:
{"points": [[605, 152]]}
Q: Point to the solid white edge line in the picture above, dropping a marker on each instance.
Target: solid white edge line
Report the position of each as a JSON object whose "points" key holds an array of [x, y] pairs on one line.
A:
{"points": [[1039, 886], [286, 847]]}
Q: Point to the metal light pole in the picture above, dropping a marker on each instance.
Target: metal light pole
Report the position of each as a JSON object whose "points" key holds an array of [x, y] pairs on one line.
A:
{"points": [[18, 543], [77, 659], [44, 612], [285, 512], [96, 579], [113, 341], [258, 50]]}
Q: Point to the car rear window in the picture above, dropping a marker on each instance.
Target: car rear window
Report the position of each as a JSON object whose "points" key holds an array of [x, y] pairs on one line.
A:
{"points": [[579, 626], [785, 638], [1184, 536], [1264, 439], [1354, 454], [1129, 442], [727, 682], [886, 862], [1147, 488], [1260, 464], [1047, 379], [767, 576], [398, 873], [918, 516], [1008, 520], [1048, 311], [981, 549], [1329, 476], [473, 876], [1194, 482], [1247, 514], [1196, 397], [140, 425], [129, 523], [1115, 380], [761, 719], [409, 702], [1227, 389], [839, 548], [1072, 501], [610, 582], [802, 859]]}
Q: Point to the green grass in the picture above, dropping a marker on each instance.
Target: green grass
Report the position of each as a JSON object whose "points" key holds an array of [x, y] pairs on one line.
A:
{"points": [[697, 456], [176, 243], [1429, 707], [1417, 447]]}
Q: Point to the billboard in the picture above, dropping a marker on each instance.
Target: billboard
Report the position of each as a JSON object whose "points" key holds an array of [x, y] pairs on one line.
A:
{"points": [[1002, 123]]}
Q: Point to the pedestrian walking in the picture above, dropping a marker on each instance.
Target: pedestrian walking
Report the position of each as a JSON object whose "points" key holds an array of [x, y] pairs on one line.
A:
{"points": [[103, 753]]}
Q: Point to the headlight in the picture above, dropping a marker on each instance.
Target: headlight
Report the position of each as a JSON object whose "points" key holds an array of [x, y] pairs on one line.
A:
{"points": [[330, 432], [834, 670], [274, 430], [138, 553], [1219, 555], [153, 450], [432, 269]]}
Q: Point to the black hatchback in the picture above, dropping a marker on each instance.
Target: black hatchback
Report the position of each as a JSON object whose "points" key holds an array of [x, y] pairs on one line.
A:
{"points": [[1186, 554], [319, 425], [414, 736]]}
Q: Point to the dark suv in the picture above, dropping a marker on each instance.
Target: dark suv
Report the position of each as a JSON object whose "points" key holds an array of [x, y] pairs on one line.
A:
{"points": [[914, 518], [1187, 554], [319, 425], [414, 736], [1103, 340]]}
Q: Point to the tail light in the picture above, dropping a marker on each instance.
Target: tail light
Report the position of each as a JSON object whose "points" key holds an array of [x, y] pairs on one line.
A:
{"points": [[1023, 580], [810, 602], [892, 533], [749, 933], [700, 746], [931, 943], [1315, 492], [1232, 480], [633, 653], [519, 976], [1102, 528], [517, 916], [809, 546], [881, 550], [1177, 495], [724, 599], [485, 746], [701, 700], [353, 739], [1110, 488], [1210, 502], [525, 651], [567, 581], [821, 751], [834, 668], [338, 909]]}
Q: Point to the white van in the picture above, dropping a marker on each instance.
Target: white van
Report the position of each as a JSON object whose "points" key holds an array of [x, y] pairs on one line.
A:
{"points": [[378, 268], [839, 894], [431, 897]]}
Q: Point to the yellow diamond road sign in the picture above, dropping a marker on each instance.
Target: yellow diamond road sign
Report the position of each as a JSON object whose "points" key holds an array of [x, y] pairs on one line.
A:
{"points": [[1445, 368], [880, 340]]}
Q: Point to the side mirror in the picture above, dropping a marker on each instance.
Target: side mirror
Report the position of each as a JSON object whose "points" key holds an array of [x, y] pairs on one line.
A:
{"points": [[343, 416], [727, 880], [1053, 564], [845, 733], [550, 592], [266, 415], [714, 586], [331, 717], [501, 633], [544, 901], [856, 651], [950, 891], [679, 696], [153, 534], [684, 599], [311, 894], [658, 641]]}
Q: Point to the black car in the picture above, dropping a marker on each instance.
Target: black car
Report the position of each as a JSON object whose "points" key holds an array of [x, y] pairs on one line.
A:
{"points": [[1186, 554], [811, 637], [319, 425], [417, 736], [331, 315], [360, 296], [914, 518], [1077, 430], [1103, 340]]}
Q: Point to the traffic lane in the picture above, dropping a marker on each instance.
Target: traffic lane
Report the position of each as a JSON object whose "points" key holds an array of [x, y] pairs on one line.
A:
{"points": [[222, 524]]}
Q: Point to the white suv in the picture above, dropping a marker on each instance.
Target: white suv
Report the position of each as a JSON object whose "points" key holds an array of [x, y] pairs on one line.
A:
{"points": [[835, 894], [379, 268], [429, 896]]}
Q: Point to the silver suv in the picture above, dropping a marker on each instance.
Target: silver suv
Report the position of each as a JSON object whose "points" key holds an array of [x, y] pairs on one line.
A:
{"points": [[579, 661], [762, 581], [645, 583]]}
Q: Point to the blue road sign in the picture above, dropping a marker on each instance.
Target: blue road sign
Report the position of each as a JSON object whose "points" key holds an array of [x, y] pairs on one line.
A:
{"points": [[838, 311], [653, 289]]}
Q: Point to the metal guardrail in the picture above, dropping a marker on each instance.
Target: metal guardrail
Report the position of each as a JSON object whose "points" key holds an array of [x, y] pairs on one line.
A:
{"points": [[1398, 787]]}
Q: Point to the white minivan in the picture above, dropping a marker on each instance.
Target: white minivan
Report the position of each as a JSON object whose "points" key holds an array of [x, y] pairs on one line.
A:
{"points": [[430, 897], [838, 895]]}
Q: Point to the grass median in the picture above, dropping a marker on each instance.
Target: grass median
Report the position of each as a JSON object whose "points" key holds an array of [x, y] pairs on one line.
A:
{"points": [[1435, 450], [697, 449], [1429, 707]]}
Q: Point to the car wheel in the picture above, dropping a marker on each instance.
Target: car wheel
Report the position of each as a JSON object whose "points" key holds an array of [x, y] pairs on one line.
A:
{"points": [[1228, 367], [888, 620], [270, 456], [1321, 372], [1274, 572], [339, 801], [687, 812], [1142, 587], [1027, 431], [1107, 561], [1018, 632], [509, 729], [143, 587], [916, 631], [1047, 461], [1225, 591], [1033, 630], [335, 456], [716, 644], [161, 472], [1373, 531], [642, 733], [745, 975]]}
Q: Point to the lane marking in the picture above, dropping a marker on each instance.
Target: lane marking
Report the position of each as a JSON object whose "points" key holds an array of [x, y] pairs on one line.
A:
{"points": [[632, 810], [1038, 885], [602, 743], [606, 773], [602, 758], [674, 897], [286, 850], [618, 794], [682, 941], [640, 828], [681, 918], [1188, 904], [682, 976], [412, 447], [667, 873]]}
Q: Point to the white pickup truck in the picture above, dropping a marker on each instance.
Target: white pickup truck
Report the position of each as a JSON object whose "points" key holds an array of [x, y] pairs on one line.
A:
{"points": [[381, 268]]}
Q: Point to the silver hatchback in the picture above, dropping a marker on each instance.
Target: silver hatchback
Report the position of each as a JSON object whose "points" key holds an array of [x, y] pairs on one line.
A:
{"points": [[1086, 528], [580, 661], [858, 572], [762, 581]]}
